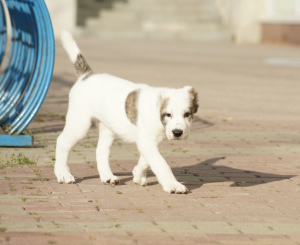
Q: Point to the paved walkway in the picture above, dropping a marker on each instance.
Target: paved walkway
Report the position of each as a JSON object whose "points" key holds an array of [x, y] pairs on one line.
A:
{"points": [[241, 162]]}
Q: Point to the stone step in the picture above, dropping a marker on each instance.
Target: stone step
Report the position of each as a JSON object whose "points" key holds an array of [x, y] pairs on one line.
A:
{"points": [[128, 18], [162, 19], [143, 3], [163, 7], [161, 11], [138, 34], [88, 8], [156, 25]]}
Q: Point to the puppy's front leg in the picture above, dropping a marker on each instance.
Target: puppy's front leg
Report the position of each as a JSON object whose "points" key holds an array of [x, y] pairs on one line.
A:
{"points": [[160, 168]]}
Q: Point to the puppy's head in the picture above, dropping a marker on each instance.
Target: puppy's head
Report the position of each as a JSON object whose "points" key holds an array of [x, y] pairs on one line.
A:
{"points": [[177, 109]]}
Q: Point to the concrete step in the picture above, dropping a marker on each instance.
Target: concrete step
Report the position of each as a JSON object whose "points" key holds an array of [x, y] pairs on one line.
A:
{"points": [[161, 6], [152, 26], [166, 19], [138, 34], [88, 8], [123, 16], [148, 3]]}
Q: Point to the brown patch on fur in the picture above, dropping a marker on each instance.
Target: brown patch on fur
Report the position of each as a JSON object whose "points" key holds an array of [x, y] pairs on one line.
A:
{"points": [[81, 66], [193, 101], [163, 106], [131, 106]]}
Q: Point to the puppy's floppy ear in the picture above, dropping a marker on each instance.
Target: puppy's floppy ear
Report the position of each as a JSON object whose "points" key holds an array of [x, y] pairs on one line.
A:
{"points": [[193, 95]]}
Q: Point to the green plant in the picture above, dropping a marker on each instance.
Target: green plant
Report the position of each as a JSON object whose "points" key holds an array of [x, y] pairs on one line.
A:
{"points": [[26, 132], [37, 218], [2, 229], [17, 160], [41, 179], [12, 187]]}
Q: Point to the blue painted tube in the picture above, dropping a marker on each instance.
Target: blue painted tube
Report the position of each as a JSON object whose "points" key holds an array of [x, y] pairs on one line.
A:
{"points": [[32, 51], [15, 88], [2, 33], [28, 72]]}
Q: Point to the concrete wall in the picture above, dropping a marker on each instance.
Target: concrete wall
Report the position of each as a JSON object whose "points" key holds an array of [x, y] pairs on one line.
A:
{"points": [[63, 15], [243, 18]]}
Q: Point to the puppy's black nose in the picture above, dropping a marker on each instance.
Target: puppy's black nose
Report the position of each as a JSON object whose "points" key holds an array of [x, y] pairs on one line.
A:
{"points": [[177, 132]]}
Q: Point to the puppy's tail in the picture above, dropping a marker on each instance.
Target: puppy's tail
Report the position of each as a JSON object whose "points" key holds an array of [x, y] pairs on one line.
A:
{"points": [[69, 44]]}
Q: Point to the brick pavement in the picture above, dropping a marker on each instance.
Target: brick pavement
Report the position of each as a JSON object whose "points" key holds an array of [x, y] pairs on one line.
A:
{"points": [[241, 162]]}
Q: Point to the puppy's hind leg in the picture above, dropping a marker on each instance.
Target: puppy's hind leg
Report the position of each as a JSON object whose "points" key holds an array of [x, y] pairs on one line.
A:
{"points": [[106, 138], [75, 129], [140, 172]]}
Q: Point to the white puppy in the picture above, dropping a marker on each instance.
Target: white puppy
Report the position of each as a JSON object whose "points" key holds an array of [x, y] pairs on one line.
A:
{"points": [[133, 112]]}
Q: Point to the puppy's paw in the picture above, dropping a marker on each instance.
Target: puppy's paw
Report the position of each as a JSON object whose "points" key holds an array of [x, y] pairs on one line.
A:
{"points": [[113, 180], [64, 176], [139, 177], [175, 188], [140, 181]]}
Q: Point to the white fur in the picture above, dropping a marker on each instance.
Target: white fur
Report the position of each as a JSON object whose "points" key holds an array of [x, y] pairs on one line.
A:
{"points": [[70, 45], [102, 97]]}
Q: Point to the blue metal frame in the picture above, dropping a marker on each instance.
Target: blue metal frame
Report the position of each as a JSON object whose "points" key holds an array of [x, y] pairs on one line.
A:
{"points": [[16, 140], [28, 72]]}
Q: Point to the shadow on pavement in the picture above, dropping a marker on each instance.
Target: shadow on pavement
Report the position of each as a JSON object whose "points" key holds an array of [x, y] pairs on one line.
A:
{"points": [[200, 123], [206, 172], [194, 176]]}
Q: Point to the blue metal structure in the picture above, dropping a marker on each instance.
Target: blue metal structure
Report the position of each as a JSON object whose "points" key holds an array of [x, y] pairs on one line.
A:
{"points": [[27, 75], [16, 140]]}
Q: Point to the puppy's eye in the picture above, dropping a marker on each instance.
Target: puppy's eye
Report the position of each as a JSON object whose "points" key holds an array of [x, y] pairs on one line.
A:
{"points": [[168, 115], [187, 114]]}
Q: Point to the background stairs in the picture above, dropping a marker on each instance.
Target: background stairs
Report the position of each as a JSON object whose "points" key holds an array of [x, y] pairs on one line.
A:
{"points": [[153, 19]]}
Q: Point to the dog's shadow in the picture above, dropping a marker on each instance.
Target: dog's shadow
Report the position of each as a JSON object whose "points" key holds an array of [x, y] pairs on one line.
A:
{"points": [[206, 172]]}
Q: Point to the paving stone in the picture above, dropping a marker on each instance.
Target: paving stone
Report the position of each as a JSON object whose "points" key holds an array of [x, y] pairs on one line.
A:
{"points": [[241, 162]]}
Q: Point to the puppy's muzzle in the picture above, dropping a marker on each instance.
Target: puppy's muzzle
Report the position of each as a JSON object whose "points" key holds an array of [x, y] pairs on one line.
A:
{"points": [[177, 133]]}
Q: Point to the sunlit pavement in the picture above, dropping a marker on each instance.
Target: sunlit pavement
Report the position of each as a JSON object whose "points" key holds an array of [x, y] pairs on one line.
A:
{"points": [[241, 162]]}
